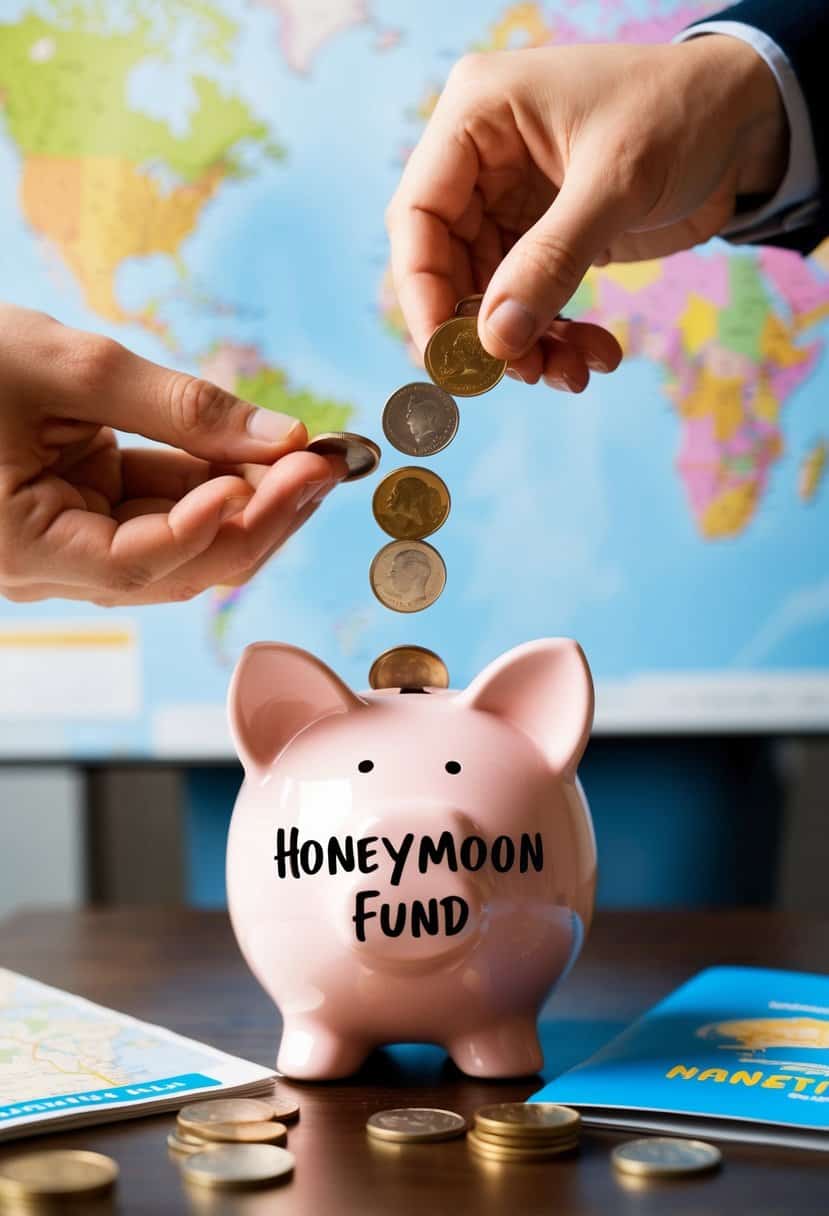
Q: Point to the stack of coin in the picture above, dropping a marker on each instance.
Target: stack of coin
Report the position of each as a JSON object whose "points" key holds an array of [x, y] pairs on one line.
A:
{"points": [[524, 1131], [415, 1125], [241, 1138]]}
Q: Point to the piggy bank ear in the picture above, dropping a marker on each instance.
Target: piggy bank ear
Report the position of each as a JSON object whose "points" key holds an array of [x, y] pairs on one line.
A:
{"points": [[277, 691], [544, 688]]}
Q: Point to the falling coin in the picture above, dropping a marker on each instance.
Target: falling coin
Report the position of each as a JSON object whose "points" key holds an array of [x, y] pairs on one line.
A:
{"points": [[456, 360], [411, 503], [246, 1133], [469, 306], [665, 1157], [230, 1166], [415, 1125], [361, 455], [530, 1120], [408, 667], [223, 1110], [57, 1173], [420, 419], [407, 575]]}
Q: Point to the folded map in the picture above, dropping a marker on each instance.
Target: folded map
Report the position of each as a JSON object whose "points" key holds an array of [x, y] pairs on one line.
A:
{"points": [[66, 1062]]}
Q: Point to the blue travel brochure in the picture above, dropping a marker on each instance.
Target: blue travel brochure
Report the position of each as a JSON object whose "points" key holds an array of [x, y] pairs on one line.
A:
{"points": [[737, 1052]]}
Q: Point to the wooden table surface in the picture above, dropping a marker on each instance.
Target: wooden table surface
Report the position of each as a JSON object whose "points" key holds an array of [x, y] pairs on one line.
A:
{"points": [[180, 968]]}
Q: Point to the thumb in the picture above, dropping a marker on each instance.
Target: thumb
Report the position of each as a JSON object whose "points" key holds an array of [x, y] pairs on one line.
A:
{"points": [[543, 269], [114, 387]]}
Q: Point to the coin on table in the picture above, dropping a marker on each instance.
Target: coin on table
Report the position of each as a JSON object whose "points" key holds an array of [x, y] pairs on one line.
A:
{"points": [[57, 1173], [180, 1142], [500, 1151], [361, 455], [530, 1120], [456, 360], [246, 1133], [408, 667], [469, 306], [420, 419], [411, 503], [665, 1157], [407, 575], [223, 1110], [284, 1109], [415, 1125], [230, 1166]]}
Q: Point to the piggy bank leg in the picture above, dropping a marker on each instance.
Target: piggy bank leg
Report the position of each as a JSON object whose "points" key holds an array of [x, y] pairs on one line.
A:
{"points": [[503, 1049], [312, 1052]]}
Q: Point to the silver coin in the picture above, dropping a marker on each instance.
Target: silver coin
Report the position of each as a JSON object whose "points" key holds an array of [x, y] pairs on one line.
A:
{"points": [[420, 419], [416, 1125], [227, 1166], [665, 1157], [407, 575]]}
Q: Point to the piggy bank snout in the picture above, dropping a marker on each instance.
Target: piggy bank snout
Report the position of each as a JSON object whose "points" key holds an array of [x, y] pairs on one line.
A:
{"points": [[424, 918], [418, 909]]}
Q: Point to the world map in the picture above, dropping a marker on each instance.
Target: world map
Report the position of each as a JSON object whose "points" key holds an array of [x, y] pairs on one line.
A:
{"points": [[206, 181]]}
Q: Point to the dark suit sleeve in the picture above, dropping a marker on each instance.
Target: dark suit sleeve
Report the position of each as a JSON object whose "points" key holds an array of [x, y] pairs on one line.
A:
{"points": [[801, 30]]}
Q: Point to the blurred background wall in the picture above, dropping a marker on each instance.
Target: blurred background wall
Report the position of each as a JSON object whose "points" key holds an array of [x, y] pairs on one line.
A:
{"points": [[678, 822]]}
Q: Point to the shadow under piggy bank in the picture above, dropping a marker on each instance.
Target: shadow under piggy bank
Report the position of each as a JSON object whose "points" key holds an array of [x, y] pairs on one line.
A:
{"points": [[411, 868]]}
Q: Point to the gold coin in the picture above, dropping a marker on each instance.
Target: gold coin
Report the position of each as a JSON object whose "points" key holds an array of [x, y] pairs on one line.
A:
{"points": [[408, 667], [569, 1137], [284, 1109], [411, 503], [665, 1157], [230, 1166], [188, 1137], [469, 306], [223, 1110], [57, 1173], [533, 1120], [246, 1133], [361, 455], [407, 575], [180, 1142], [457, 362], [507, 1152], [416, 1125], [420, 419]]}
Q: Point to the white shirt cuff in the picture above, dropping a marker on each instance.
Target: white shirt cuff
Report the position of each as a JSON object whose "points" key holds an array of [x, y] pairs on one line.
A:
{"points": [[796, 201]]}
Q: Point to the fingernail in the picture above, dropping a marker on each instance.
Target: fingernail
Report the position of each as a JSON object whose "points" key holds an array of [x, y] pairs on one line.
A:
{"points": [[596, 364], [315, 491], [560, 381], [231, 507], [512, 324], [269, 427], [514, 375]]}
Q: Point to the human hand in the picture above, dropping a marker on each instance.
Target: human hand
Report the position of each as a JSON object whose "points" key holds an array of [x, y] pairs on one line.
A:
{"points": [[82, 519], [536, 164]]}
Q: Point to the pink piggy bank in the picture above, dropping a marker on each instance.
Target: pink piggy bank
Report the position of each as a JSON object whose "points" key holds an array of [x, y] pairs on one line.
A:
{"points": [[411, 866]]}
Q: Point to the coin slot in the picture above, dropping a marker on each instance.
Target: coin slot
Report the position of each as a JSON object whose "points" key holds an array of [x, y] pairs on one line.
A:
{"points": [[425, 690], [365, 766]]}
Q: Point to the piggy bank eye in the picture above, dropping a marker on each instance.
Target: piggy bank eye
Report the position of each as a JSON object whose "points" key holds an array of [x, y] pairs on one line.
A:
{"points": [[452, 766], [365, 766]]}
